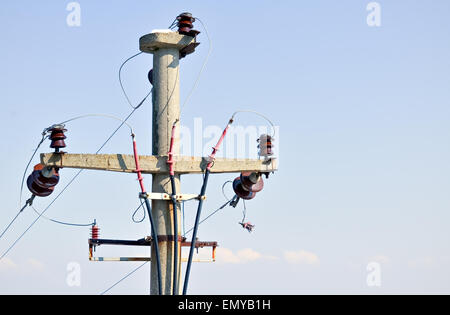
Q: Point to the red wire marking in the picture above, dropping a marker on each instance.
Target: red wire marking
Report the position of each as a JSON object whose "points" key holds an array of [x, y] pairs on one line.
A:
{"points": [[170, 160], [138, 168], [216, 148]]}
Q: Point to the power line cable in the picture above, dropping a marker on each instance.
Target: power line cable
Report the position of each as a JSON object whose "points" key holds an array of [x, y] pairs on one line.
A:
{"points": [[98, 115], [29, 202], [120, 78], [61, 222], [213, 213], [125, 277], [258, 114]]}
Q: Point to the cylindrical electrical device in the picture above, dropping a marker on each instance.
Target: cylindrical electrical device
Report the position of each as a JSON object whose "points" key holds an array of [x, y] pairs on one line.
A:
{"points": [[265, 145], [240, 191], [252, 181], [42, 181], [247, 185], [95, 231], [185, 24], [150, 76], [57, 137]]}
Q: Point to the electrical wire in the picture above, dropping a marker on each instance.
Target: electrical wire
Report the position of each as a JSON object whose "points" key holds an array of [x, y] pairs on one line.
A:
{"points": [[34, 222], [184, 221], [200, 205], [259, 114], [61, 222], [44, 137], [194, 234], [134, 214], [173, 25], [223, 191], [73, 178], [98, 115], [153, 230], [194, 86], [173, 198], [125, 277], [29, 202], [120, 78], [244, 212], [155, 243], [209, 216]]}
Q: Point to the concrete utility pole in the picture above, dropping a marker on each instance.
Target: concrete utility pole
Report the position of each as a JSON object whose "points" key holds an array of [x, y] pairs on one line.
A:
{"points": [[165, 47]]}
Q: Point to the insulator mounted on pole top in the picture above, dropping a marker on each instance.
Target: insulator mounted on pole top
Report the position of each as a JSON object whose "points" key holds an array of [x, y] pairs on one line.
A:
{"points": [[185, 24], [57, 137]]}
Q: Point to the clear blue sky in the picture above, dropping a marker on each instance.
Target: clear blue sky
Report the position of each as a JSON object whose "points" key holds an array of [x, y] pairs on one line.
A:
{"points": [[364, 141]]}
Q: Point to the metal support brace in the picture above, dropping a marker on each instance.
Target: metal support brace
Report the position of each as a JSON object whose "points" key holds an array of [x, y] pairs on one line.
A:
{"points": [[164, 196]]}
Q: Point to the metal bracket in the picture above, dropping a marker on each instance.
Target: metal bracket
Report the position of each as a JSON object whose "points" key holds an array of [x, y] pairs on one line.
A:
{"points": [[164, 196], [121, 259], [147, 241]]}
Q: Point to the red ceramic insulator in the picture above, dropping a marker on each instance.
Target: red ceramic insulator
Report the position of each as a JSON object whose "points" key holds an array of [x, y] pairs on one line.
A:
{"points": [[185, 24], [265, 145], [252, 182], [95, 232], [57, 137], [41, 182], [240, 190], [37, 190]]}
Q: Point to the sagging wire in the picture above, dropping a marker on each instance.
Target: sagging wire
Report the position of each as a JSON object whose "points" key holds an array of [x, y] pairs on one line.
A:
{"points": [[73, 178], [223, 189], [98, 115], [120, 78], [61, 222], [135, 212], [201, 69], [260, 115]]}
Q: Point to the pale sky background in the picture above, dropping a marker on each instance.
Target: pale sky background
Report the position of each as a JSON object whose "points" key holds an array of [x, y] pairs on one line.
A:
{"points": [[364, 141]]}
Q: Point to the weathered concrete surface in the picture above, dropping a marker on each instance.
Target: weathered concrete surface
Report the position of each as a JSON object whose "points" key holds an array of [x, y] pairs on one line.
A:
{"points": [[154, 164]]}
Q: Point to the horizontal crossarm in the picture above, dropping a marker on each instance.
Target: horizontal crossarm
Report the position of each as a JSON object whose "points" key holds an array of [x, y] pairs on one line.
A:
{"points": [[154, 164]]}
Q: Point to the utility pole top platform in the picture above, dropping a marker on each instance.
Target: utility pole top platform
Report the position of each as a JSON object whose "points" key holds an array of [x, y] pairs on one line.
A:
{"points": [[157, 40]]}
